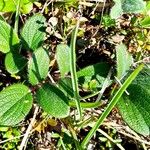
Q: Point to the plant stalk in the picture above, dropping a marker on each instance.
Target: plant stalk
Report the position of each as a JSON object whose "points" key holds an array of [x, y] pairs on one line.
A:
{"points": [[17, 16], [73, 69], [112, 103]]}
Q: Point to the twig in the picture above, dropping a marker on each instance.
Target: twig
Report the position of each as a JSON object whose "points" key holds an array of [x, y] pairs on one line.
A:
{"points": [[102, 13], [45, 5], [121, 84], [95, 8], [134, 137], [51, 78], [25, 138], [110, 139], [10, 139], [118, 127]]}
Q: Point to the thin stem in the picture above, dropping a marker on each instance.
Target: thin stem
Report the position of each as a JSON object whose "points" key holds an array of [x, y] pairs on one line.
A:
{"points": [[111, 105], [25, 138], [105, 85], [110, 139], [62, 143], [13, 138], [17, 16], [73, 69], [87, 105], [90, 95], [74, 135]]}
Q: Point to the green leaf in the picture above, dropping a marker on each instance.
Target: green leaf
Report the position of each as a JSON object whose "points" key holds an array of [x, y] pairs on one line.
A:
{"points": [[33, 32], [53, 101], [97, 72], [73, 71], [145, 23], [133, 6], [26, 6], [2, 18], [134, 107], [38, 66], [127, 6], [7, 5], [14, 62], [116, 10], [15, 104], [8, 37], [65, 85], [107, 21], [146, 10], [124, 60], [111, 104], [63, 58], [10, 6]]}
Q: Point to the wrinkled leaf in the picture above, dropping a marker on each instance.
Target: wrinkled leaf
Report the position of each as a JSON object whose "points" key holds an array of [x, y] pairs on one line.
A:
{"points": [[124, 60], [33, 32], [8, 37], [14, 62], [126, 6], [63, 58], [15, 103], [133, 6], [97, 72], [135, 108], [38, 66], [53, 101]]}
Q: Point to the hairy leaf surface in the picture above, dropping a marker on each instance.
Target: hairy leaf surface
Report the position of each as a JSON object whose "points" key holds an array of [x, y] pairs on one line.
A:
{"points": [[8, 37], [15, 103], [133, 6], [135, 107], [124, 60], [53, 101], [127, 6], [14, 62], [33, 32], [38, 66], [63, 58]]}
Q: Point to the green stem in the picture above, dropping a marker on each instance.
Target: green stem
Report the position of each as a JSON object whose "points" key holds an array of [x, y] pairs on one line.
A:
{"points": [[73, 69], [111, 105], [62, 143], [90, 95], [74, 135], [17, 16], [86, 105]]}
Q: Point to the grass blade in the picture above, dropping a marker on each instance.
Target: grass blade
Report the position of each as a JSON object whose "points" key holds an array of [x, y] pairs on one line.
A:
{"points": [[73, 69], [111, 105], [17, 16]]}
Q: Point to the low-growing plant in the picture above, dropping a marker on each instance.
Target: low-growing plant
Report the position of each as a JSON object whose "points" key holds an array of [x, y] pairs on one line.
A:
{"points": [[17, 98], [27, 57]]}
